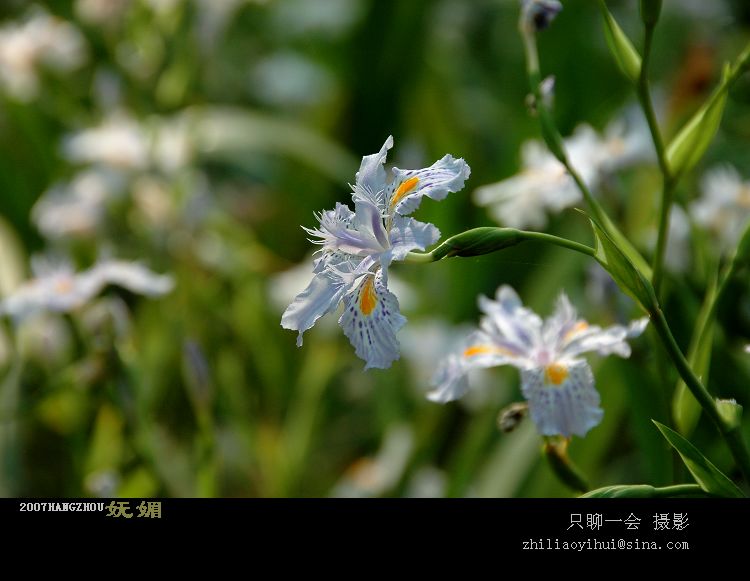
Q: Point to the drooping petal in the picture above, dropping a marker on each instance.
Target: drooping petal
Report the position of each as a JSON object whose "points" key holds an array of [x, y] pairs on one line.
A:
{"points": [[480, 352], [445, 176], [562, 398], [321, 296], [129, 275], [370, 321], [611, 340], [509, 323], [408, 234], [370, 179]]}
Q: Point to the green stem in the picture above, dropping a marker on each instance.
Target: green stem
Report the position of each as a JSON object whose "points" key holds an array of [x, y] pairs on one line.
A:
{"points": [[644, 96], [732, 435], [661, 243], [419, 257], [667, 197], [557, 241]]}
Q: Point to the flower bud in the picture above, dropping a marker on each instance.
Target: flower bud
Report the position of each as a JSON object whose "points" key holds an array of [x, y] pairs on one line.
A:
{"points": [[689, 145], [537, 15], [625, 54], [478, 241]]}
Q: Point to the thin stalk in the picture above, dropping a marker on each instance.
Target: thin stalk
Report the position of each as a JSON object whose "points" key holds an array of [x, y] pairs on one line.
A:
{"points": [[661, 243], [668, 182]]}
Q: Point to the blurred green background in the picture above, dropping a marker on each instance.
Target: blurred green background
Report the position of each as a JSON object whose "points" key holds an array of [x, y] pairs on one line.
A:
{"points": [[256, 114]]}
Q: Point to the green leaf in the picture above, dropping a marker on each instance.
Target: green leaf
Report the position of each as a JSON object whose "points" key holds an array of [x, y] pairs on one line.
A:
{"points": [[685, 407], [689, 145], [646, 491], [710, 478], [622, 49], [619, 266]]}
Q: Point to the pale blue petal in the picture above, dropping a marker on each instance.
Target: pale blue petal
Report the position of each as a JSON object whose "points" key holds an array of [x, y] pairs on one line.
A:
{"points": [[408, 234], [480, 352], [370, 179], [368, 221], [509, 323], [373, 333], [450, 381], [572, 407], [321, 296], [609, 341], [445, 176]]}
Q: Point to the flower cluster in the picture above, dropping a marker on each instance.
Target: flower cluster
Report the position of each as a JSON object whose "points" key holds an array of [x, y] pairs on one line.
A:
{"points": [[358, 247], [556, 381]]}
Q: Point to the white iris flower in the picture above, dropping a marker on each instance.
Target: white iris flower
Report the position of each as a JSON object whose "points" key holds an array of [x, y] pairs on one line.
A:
{"points": [[556, 381], [58, 288], [358, 247]]}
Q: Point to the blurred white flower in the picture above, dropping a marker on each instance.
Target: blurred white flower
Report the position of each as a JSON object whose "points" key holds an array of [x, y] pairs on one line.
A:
{"points": [[626, 142], [57, 288], [119, 141], [77, 208], [154, 202], [677, 256], [328, 18], [544, 185], [375, 476], [40, 40], [123, 143], [427, 482], [288, 79], [724, 207], [173, 146], [101, 12]]}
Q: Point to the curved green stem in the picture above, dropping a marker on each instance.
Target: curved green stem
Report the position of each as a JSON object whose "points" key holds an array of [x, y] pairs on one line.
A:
{"points": [[558, 241]]}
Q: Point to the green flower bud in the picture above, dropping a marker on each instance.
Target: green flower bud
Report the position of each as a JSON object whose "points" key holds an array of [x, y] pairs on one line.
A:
{"points": [[689, 145], [625, 54], [478, 241]]}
